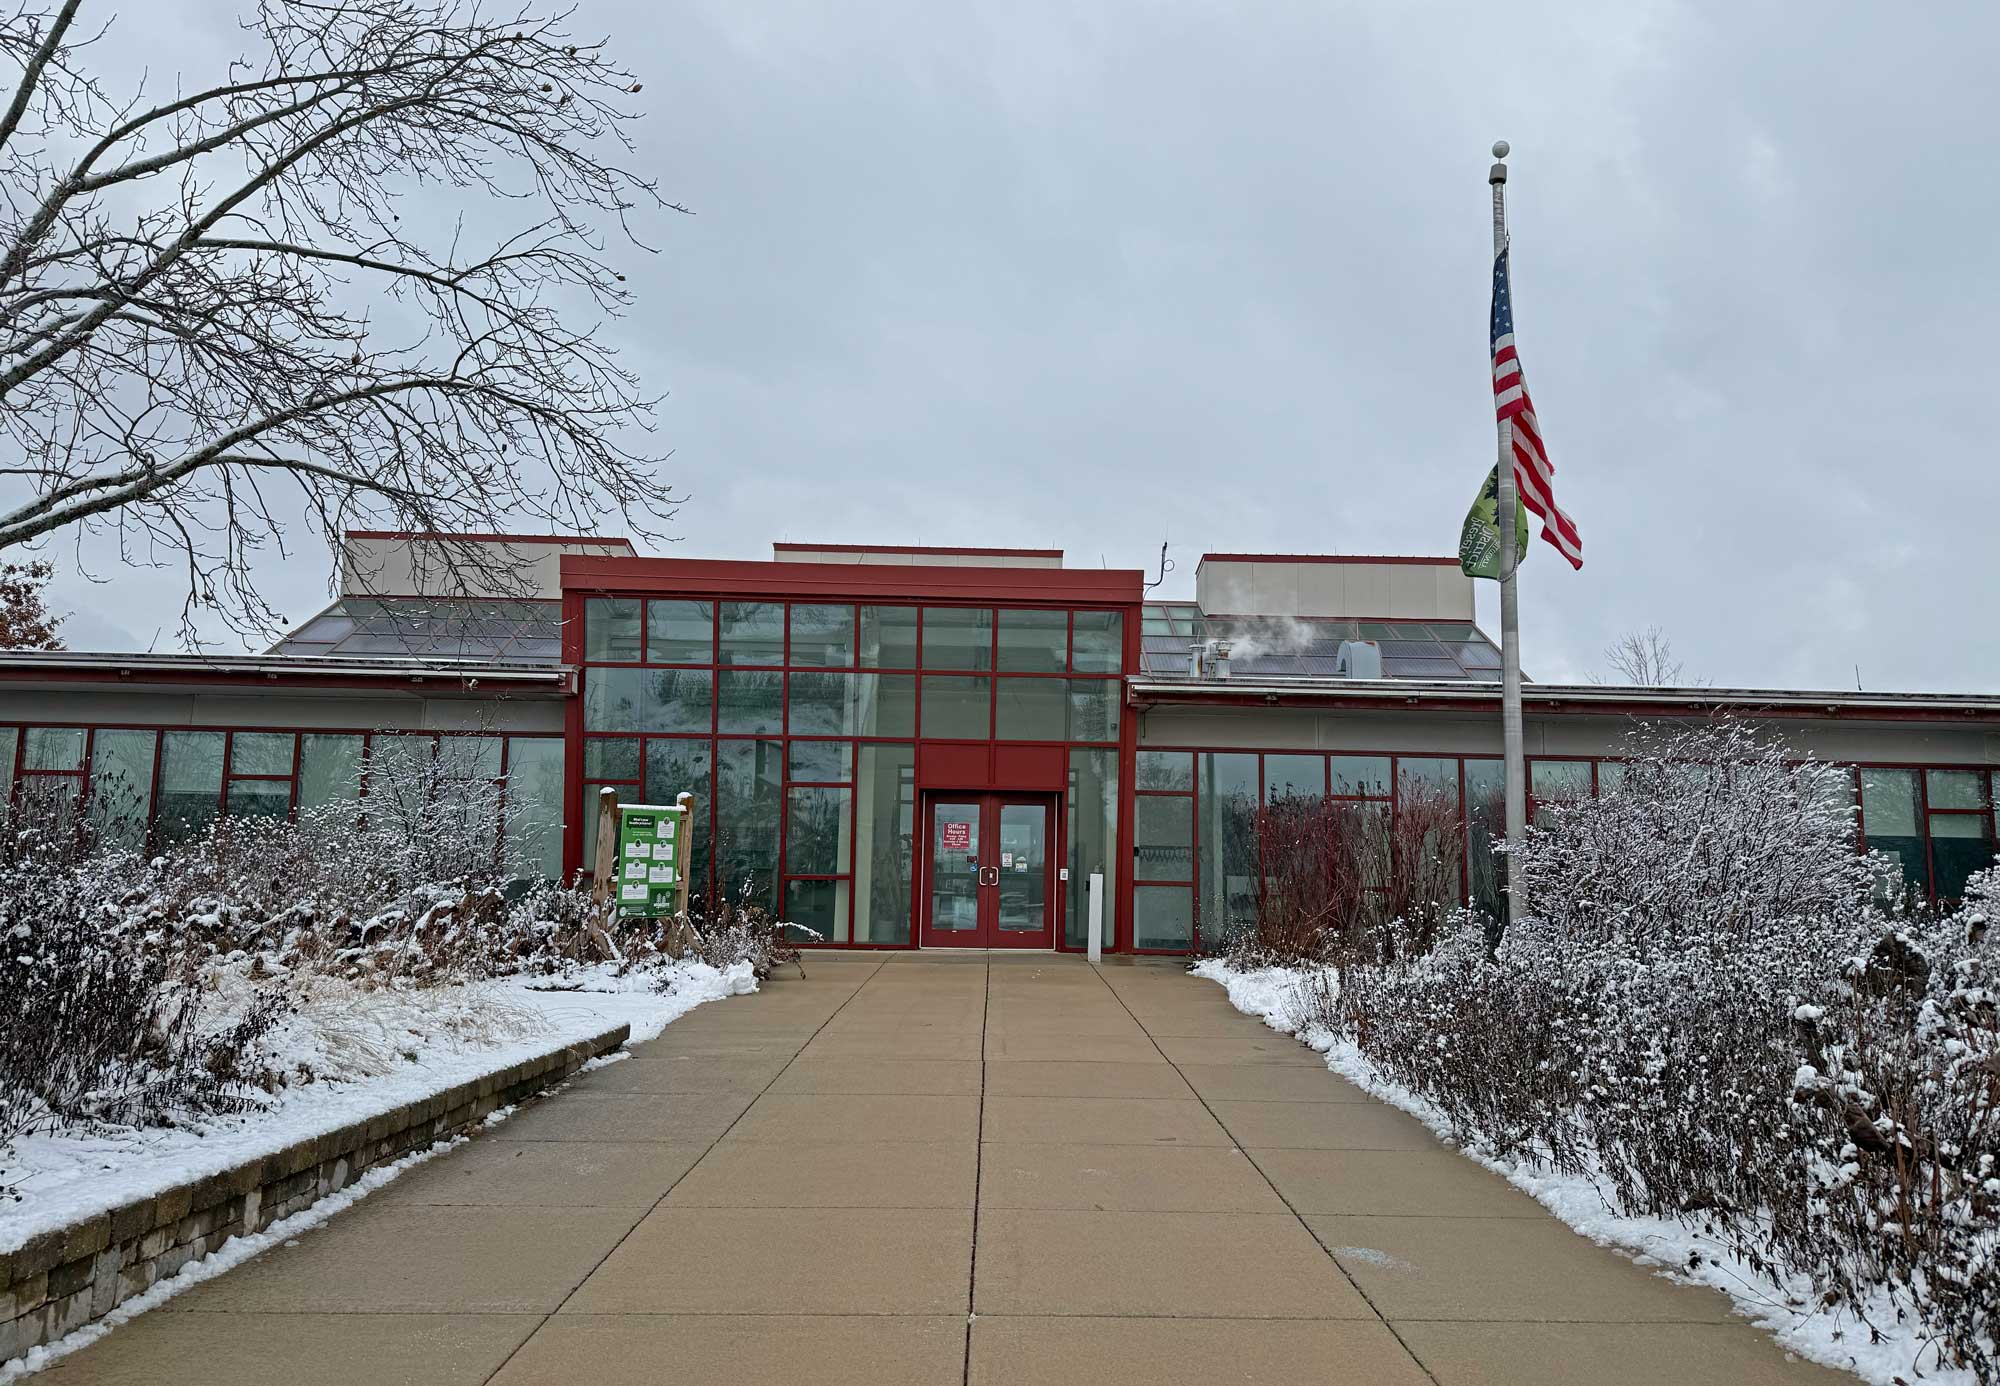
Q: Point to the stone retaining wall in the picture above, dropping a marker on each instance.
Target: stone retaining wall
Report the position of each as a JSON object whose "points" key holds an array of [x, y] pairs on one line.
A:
{"points": [[71, 1276]]}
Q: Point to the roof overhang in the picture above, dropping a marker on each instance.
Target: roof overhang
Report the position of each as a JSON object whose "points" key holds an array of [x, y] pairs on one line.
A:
{"points": [[1579, 699], [56, 670]]}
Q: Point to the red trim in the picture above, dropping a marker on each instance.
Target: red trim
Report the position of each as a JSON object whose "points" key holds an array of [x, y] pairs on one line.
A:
{"points": [[413, 535], [1324, 558], [915, 548], [852, 581]]}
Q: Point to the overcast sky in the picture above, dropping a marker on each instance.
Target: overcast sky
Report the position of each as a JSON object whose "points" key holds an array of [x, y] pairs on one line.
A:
{"points": [[1098, 276]]}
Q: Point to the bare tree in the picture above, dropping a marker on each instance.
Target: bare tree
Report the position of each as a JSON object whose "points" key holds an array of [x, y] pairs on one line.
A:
{"points": [[1645, 658], [209, 299]]}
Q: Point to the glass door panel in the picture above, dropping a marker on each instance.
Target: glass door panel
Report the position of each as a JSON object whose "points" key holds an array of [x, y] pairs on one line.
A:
{"points": [[955, 872], [1024, 873]]}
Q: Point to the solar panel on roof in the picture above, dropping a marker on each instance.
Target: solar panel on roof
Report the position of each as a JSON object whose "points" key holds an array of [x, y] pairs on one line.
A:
{"points": [[1422, 668]]}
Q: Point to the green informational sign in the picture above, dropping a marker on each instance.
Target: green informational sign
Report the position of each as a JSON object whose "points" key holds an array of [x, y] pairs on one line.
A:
{"points": [[1479, 541], [652, 847]]}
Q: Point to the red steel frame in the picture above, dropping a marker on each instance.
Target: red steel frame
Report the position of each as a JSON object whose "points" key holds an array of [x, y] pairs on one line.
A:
{"points": [[790, 584]]}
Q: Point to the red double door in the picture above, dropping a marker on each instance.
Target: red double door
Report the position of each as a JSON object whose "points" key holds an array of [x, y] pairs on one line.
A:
{"points": [[990, 873]]}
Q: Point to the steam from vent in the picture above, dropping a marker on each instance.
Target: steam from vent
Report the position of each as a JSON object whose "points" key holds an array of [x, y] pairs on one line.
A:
{"points": [[1270, 635]]}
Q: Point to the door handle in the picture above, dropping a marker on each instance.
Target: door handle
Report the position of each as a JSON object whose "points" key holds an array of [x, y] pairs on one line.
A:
{"points": [[993, 880]]}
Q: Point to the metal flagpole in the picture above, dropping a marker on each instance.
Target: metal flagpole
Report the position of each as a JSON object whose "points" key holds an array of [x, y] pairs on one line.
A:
{"points": [[1510, 601]]}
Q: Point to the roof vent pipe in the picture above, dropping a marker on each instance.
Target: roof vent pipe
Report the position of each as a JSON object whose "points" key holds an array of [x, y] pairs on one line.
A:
{"points": [[1195, 653], [1221, 659]]}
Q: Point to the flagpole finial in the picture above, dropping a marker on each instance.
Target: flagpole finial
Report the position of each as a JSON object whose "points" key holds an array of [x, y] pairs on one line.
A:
{"points": [[1501, 149]]}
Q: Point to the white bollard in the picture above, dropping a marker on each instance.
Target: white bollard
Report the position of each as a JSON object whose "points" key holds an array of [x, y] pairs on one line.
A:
{"points": [[1097, 916]]}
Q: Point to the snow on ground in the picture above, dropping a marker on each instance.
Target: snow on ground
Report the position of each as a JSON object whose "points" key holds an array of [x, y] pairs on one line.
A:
{"points": [[368, 1051], [1834, 1338]]}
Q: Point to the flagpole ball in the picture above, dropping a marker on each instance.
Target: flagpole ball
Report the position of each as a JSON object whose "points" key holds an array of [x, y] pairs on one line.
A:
{"points": [[1501, 149]]}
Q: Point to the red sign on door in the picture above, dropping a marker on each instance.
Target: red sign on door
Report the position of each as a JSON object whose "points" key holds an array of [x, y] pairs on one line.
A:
{"points": [[955, 837]]}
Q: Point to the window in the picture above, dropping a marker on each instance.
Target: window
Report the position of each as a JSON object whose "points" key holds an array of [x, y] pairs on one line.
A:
{"points": [[1889, 820], [1034, 642], [888, 637], [958, 705], [1956, 804], [1098, 644], [1166, 770], [121, 785], [751, 633], [748, 790], [885, 824], [330, 768], [190, 783], [53, 748], [1093, 709], [611, 630], [1093, 842], [816, 832], [1294, 777], [749, 701], [1162, 917], [680, 632], [823, 635], [1226, 829], [1033, 709], [1359, 776], [957, 638]]}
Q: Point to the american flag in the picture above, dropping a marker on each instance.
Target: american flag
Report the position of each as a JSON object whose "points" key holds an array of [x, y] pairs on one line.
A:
{"points": [[1533, 474]]}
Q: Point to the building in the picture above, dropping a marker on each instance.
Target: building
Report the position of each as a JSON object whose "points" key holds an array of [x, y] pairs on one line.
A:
{"points": [[903, 747]]}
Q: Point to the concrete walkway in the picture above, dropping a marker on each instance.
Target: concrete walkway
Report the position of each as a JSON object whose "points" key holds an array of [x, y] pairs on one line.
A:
{"points": [[943, 1168]]}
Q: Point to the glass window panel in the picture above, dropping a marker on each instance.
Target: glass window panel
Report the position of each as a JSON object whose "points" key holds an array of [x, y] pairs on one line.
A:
{"points": [[611, 758], [471, 757], [534, 805], [680, 632], [190, 784], [885, 824], [1426, 774], [1485, 824], [1889, 820], [820, 906], [54, 748], [1610, 776], [10, 738], [1166, 770], [1953, 789], [1033, 709], [663, 700], [1226, 802], [1294, 777], [1093, 842], [749, 701], [885, 704], [957, 638], [677, 766], [958, 706], [1163, 841], [823, 636], [1163, 917], [752, 633], [260, 753], [1033, 642], [823, 704], [748, 800], [1959, 847], [816, 837], [121, 785], [329, 769], [611, 629], [1093, 709], [1364, 775], [1559, 781], [1099, 644], [888, 637], [821, 762], [260, 798]]}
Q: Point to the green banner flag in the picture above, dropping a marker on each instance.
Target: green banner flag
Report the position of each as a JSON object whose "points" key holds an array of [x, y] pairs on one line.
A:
{"points": [[1479, 541]]}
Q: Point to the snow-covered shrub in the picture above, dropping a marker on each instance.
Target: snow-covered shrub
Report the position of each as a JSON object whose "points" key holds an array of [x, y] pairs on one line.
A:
{"points": [[1710, 1012], [103, 1022]]}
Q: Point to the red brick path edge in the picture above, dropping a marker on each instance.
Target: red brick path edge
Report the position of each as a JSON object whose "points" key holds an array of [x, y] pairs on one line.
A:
{"points": [[71, 1276]]}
